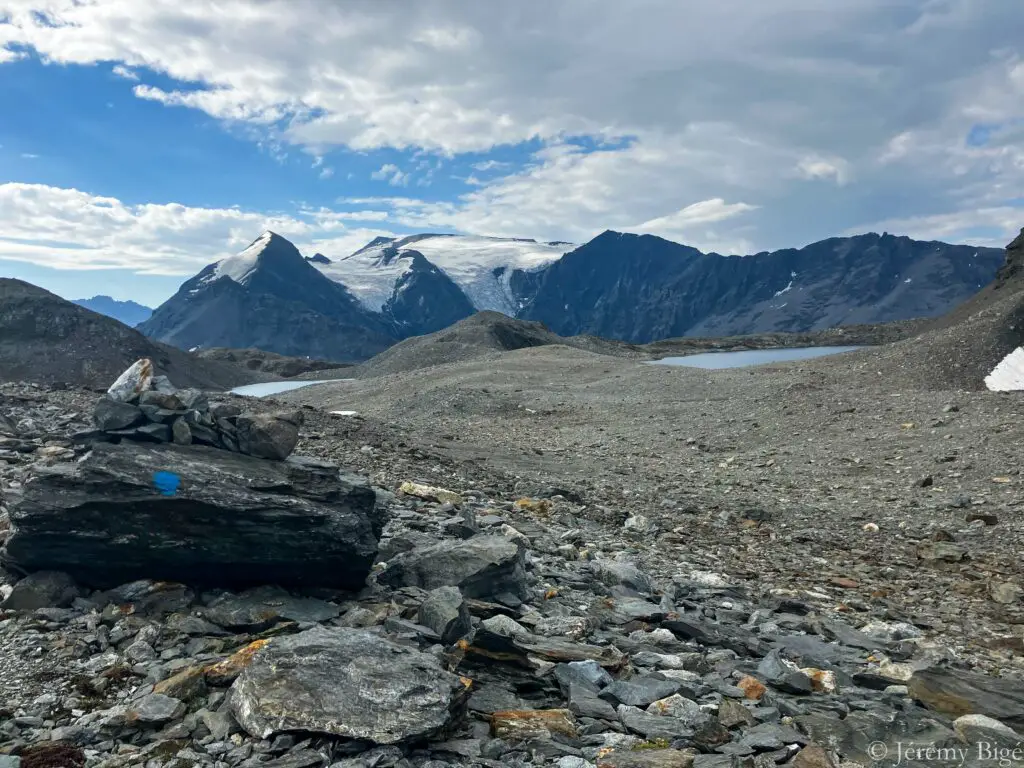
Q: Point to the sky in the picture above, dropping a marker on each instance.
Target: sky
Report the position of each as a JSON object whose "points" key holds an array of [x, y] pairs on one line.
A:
{"points": [[140, 141]]}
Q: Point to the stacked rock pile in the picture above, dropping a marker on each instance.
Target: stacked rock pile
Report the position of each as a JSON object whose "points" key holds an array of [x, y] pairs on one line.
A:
{"points": [[147, 408]]}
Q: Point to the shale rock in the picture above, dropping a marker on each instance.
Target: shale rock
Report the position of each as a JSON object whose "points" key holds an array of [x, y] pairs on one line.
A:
{"points": [[955, 692], [44, 589], [196, 515], [483, 567], [345, 682]]}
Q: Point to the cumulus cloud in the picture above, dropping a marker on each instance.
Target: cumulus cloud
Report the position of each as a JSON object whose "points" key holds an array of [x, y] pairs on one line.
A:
{"points": [[124, 72], [824, 116], [72, 229], [392, 174]]}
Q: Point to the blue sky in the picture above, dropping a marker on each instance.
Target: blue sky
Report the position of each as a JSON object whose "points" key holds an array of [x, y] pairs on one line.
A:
{"points": [[140, 142]]}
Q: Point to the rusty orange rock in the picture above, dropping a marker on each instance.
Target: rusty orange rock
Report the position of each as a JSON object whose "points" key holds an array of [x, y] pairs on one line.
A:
{"points": [[521, 724], [752, 688], [224, 672]]}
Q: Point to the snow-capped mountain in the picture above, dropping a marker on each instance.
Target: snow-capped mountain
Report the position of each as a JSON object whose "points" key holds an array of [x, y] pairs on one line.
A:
{"points": [[271, 298], [490, 271], [620, 286]]}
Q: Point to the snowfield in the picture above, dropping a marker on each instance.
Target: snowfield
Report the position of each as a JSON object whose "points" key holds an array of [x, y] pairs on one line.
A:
{"points": [[481, 266]]}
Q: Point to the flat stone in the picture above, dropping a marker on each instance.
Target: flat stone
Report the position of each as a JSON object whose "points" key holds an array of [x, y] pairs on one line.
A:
{"points": [[640, 691], [155, 709], [956, 693], [522, 724], [345, 682], [482, 567], [197, 515], [260, 608], [109, 414], [653, 726]]}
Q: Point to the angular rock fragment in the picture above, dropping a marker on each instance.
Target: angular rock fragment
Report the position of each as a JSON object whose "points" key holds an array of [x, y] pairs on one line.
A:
{"points": [[518, 725], [133, 382], [110, 414], [44, 589], [345, 682], [483, 567], [268, 436], [192, 514], [257, 609], [955, 693], [430, 493], [445, 612]]}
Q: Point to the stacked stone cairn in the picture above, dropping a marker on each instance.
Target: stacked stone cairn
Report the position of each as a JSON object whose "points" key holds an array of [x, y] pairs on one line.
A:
{"points": [[143, 407]]}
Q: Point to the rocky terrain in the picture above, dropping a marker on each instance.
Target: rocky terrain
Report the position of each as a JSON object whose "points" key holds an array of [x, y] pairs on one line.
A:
{"points": [[269, 362], [546, 557], [44, 338], [631, 288]]}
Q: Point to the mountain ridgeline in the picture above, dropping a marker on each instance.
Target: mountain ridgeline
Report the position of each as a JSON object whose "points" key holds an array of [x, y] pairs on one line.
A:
{"points": [[636, 288]]}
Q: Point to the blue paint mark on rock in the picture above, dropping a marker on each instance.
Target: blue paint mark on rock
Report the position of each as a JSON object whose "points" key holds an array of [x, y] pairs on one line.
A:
{"points": [[166, 482]]}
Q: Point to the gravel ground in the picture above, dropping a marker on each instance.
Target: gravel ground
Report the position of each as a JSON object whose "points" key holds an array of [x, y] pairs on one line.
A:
{"points": [[769, 474]]}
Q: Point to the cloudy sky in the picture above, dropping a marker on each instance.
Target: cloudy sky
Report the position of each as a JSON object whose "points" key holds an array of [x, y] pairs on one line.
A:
{"points": [[140, 141]]}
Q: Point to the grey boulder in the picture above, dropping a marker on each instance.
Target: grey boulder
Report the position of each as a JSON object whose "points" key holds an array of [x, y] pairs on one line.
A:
{"points": [[483, 567], [351, 683], [45, 589], [195, 515], [268, 436]]}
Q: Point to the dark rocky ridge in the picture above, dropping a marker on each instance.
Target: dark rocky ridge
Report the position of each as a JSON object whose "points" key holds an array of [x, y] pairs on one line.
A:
{"points": [[44, 338], [959, 349], [480, 336], [268, 362], [642, 288]]}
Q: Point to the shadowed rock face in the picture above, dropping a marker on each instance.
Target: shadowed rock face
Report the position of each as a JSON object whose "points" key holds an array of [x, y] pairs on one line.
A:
{"points": [[197, 515]]}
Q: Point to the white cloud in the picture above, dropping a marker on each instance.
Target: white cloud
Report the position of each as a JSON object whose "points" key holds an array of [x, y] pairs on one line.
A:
{"points": [[824, 116], [124, 72], [816, 167], [392, 174], [326, 173], [72, 229]]}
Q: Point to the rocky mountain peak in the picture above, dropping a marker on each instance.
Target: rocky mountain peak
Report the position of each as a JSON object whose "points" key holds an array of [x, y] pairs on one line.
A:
{"points": [[1014, 265]]}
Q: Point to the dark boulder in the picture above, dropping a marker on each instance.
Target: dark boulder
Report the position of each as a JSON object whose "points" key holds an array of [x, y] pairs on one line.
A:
{"points": [[45, 589], [483, 567], [195, 515], [110, 414], [268, 436]]}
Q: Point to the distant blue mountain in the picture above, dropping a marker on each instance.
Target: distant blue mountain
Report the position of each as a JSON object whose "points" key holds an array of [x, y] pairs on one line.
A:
{"points": [[128, 312]]}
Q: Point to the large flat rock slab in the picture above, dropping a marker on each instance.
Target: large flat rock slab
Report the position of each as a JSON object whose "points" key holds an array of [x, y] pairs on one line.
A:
{"points": [[352, 683], [196, 515]]}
